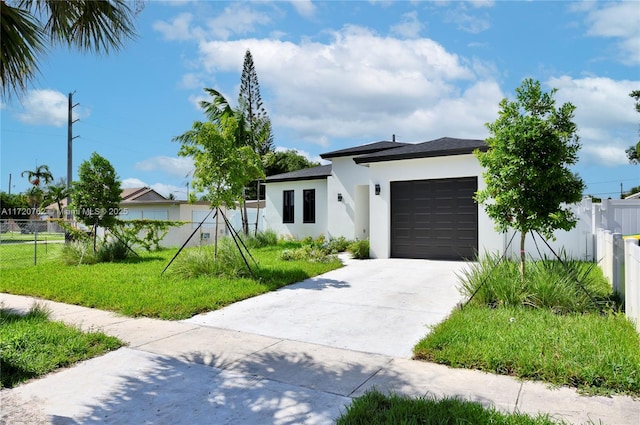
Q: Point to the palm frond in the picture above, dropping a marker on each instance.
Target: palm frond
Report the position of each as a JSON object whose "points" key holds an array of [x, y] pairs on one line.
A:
{"points": [[22, 44]]}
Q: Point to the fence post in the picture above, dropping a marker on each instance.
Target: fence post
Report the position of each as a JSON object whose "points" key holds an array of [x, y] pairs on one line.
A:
{"points": [[632, 281], [617, 265]]}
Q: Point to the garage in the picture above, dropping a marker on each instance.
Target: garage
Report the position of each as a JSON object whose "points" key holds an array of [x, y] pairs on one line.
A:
{"points": [[434, 219]]}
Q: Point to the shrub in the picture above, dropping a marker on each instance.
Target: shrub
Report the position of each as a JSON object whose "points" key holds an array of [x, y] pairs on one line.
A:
{"points": [[201, 261], [360, 249], [574, 286], [306, 252], [112, 251], [339, 244], [262, 239], [78, 252]]}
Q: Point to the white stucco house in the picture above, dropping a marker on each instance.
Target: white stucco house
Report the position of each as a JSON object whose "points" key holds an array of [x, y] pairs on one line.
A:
{"points": [[411, 200]]}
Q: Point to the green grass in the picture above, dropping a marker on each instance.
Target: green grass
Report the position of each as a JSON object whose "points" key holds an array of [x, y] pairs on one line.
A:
{"points": [[595, 353], [375, 408], [31, 346], [136, 287], [25, 237]]}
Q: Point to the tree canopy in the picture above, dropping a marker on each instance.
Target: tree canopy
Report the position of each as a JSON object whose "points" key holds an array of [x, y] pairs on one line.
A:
{"points": [[279, 162], [527, 175], [29, 27], [96, 195]]}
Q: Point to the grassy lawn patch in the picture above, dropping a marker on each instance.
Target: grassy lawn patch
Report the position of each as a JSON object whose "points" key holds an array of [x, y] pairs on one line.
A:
{"points": [[136, 288], [31, 346], [375, 408], [548, 328], [595, 353]]}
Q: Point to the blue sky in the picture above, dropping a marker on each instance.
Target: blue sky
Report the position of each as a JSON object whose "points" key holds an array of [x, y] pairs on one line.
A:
{"points": [[333, 75]]}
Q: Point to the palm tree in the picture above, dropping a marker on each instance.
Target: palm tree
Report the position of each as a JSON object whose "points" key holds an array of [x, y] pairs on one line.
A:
{"points": [[40, 173], [29, 27], [57, 193]]}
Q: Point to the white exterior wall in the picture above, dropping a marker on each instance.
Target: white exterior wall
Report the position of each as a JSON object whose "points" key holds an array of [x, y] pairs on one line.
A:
{"points": [[383, 173], [297, 229], [346, 175]]}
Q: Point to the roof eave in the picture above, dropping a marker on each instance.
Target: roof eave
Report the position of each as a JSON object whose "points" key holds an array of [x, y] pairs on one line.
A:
{"points": [[418, 155]]}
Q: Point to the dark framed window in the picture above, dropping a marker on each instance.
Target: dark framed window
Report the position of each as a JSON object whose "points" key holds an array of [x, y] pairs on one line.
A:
{"points": [[287, 206], [309, 206]]}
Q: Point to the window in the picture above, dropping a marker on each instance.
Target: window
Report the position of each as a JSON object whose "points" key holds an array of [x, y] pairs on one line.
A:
{"points": [[287, 206], [309, 206]]}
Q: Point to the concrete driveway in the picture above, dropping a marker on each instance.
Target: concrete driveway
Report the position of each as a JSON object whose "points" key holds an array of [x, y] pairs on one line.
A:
{"points": [[374, 306]]}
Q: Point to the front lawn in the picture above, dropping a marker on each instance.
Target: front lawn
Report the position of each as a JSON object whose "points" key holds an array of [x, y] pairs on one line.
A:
{"points": [[136, 288], [552, 328], [31, 346]]}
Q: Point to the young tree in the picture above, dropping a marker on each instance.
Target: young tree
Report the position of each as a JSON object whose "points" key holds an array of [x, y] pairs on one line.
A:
{"points": [[633, 153], [221, 166], [28, 27], [528, 182], [96, 195]]}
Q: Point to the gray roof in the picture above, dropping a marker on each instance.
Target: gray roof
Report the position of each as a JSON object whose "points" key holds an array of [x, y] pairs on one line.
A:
{"points": [[444, 146], [314, 173], [363, 149]]}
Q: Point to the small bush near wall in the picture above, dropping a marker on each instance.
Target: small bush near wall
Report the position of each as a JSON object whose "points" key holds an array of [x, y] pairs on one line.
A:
{"points": [[360, 249]]}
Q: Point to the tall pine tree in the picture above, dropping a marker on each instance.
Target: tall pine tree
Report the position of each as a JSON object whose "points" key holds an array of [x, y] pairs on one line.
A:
{"points": [[257, 124], [257, 121]]}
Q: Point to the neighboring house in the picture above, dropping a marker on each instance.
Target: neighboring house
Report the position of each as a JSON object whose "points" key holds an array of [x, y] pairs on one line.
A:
{"points": [[410, 200], [147, 204]]}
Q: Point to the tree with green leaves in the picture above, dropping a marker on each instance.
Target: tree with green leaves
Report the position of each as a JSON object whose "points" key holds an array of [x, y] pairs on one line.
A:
{"points": [[526, 167], [96, 195], [258, 124], [257, 121], [222, 166], [279, 162], [28, 28], [56, 193], [35, 194], [633, 153]]}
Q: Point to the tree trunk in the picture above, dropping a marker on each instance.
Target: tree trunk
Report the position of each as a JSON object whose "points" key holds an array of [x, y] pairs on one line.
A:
{"points": [[95, 237], [215, 237], [245, 223], [258, 208], [523, 236]]}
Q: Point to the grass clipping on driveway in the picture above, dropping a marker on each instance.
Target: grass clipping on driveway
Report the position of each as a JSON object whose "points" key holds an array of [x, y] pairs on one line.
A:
{"points": [[31, 345], [596, 352]]}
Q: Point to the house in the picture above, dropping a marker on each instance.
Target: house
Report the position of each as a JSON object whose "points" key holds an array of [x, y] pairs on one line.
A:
{"points": [[144, 203], [411, 200]]}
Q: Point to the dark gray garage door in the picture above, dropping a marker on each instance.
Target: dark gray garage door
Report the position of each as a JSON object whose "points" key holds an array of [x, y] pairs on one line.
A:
{"points": [[434, 219]]}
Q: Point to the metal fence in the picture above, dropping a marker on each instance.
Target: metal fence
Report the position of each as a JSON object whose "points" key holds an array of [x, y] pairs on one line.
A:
{"points": [[15, 231]]}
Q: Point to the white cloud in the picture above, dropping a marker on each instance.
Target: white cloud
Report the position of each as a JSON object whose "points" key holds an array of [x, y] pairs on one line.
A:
{"points": [[620, 21], [177, 167], [131, 183], [304, 7], [359, 85], [236, 19], [410, 26], [465, 21], [191, 81], [605, 115], [179, 28], [47, 107]]}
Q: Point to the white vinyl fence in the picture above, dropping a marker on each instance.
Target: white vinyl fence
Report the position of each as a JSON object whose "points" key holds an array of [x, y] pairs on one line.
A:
{"points": [[619, 258], [632, 280]]}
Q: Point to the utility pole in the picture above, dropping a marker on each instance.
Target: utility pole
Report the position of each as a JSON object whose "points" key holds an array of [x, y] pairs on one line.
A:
{"points": [[70, 138]]}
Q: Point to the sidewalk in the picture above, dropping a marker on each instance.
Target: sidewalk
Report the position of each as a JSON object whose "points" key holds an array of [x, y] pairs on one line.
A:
{"points": [[185, 373]]}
